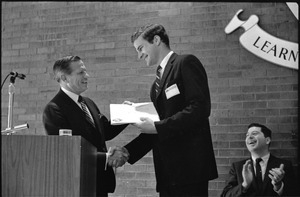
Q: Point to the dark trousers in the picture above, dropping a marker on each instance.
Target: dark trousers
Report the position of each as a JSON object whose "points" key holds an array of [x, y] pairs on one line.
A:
{"points": [[102, 195], [193, 190]]}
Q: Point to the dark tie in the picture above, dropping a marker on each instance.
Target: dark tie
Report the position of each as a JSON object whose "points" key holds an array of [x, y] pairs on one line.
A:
{"points": [[84, 108], [157, 80], [258, 173]]}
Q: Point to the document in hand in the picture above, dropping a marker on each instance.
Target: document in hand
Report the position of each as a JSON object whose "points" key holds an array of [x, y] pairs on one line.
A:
{"points": [[126, 114]]}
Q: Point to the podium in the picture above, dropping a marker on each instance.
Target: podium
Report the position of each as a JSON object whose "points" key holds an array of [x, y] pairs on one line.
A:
{"points": [[47, 166]]}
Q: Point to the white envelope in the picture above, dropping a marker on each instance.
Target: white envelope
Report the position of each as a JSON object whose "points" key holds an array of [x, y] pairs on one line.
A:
{"points": [[126, 114]]}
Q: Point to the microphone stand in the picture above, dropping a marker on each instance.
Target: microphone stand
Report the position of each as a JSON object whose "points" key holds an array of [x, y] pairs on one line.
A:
{"points": [[9, 130]]}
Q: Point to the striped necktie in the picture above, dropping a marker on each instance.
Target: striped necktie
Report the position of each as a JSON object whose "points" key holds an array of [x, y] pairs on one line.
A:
{"points": [[157, 80], [88, 117]]}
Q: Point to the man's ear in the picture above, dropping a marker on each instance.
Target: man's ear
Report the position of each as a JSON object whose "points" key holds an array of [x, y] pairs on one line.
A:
{"points": [[156, 40], [268, 140], [63, 78]]}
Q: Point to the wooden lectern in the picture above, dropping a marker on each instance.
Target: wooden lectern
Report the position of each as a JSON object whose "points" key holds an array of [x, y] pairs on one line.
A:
{"points": [[47, 166]]}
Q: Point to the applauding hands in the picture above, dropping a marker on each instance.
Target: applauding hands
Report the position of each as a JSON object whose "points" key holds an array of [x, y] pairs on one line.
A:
{"points": [[247, 174], [276, 175], [117, 156]]}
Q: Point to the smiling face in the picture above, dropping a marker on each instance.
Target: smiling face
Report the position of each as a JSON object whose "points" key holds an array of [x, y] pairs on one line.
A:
{"points": [[256, 141], [77, 80], [148, 51]]}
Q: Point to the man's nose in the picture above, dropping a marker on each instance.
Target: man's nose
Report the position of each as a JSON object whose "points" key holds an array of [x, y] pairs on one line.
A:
{"points": [[140, 55]]}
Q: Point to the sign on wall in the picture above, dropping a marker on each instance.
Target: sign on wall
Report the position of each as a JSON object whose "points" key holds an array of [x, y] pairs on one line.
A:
{"points": [[263, 44]]}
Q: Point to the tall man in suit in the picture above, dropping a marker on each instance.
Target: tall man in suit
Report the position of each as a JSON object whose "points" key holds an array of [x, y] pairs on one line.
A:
{"points": [[64, 111], [181, 141], [263, 174]]}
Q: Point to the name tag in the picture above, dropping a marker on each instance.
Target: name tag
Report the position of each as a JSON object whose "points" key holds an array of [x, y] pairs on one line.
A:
{"points": [[65, 132], [172, 91]]}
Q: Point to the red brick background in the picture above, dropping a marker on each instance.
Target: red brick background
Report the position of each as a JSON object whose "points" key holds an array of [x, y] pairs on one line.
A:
{"points": [[244, 88]]}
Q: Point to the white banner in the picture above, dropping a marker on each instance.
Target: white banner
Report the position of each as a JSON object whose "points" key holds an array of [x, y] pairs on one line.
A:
{"points": [[264, 45]]}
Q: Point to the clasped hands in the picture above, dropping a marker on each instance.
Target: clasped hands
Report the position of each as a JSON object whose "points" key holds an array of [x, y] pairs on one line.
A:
{"points": [[117, 156], [275, 174], [146, 125]]}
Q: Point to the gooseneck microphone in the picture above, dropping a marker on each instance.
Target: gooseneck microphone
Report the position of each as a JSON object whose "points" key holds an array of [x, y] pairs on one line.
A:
{"points": [[19, 75]]}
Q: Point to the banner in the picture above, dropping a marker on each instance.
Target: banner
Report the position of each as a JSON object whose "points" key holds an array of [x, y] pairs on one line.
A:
{"points": [[263, 44]]}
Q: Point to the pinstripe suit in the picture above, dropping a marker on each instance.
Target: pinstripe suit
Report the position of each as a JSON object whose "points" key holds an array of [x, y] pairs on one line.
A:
{"points": [[63, 113]]}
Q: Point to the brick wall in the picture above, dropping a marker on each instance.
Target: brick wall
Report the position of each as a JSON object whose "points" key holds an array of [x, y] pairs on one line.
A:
{"points": [[244, 88]]}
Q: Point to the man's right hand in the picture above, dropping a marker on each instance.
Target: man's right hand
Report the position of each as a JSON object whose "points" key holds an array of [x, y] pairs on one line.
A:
{"points": [[117, 156], [247, 174]]}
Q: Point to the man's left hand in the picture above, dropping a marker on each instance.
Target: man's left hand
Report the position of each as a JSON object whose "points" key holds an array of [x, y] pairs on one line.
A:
{"points": [[146, 126], [276, 175]]}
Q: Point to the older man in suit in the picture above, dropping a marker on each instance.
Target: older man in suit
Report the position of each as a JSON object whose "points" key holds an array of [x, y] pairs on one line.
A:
{"points": [[263, 174], [69, 110], [181, 141]]}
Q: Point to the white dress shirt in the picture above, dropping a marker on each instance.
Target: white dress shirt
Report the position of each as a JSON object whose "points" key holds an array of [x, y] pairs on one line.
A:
{"points": [[164, 62], [263, 164]]}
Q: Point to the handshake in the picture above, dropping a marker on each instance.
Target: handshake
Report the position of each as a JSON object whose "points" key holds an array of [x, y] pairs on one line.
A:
{"points": [[117, 156]]}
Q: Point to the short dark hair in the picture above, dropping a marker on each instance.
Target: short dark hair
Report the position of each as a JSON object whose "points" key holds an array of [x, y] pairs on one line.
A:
{"points": [[62, 65], [149, 31], [265, 130]]}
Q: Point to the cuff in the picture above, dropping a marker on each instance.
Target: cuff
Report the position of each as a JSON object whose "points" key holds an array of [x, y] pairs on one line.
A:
{"points": [[280, 191], [106, 161]]}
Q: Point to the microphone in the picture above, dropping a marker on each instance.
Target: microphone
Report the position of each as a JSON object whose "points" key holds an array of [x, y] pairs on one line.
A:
{"points": [[19, 75]]}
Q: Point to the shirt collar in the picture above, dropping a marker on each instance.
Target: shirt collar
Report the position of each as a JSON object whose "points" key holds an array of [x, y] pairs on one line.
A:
{"points": [[165, 60], [72, 95], [264, 158]]}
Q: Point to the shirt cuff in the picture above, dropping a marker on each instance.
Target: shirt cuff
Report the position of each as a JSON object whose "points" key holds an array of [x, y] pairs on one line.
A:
{"points": [[107, 155], [280, 191]]}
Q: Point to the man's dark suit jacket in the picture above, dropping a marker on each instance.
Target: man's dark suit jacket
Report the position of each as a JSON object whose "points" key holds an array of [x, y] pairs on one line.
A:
{"points": [[63, 113], [233, 186], [182, 150]]}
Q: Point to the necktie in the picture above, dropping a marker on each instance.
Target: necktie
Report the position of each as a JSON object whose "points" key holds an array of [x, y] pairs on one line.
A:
{"points": [[157, 80], [88, 117], [258, 173]]}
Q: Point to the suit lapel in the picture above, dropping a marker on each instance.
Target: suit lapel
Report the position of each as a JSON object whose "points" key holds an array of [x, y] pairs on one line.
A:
{"points": [[94, 113], [73, 110], [166, 73], [96, 118], [267, 180]]}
